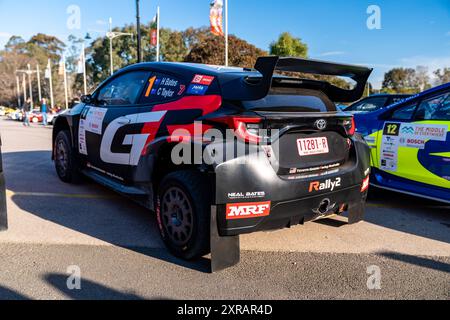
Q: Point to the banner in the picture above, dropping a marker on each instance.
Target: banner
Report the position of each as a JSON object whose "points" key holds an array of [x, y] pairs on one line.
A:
{"points": [[216, 17], [62, 67], [154, 31], [80, 63], [48, 70]]}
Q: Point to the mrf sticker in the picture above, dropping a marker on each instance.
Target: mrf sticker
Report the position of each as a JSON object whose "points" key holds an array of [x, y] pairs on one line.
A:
{"points": [[250, 210]]}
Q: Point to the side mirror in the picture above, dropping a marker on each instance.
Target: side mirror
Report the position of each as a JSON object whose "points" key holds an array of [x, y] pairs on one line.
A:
{"points": [[87, 99]]}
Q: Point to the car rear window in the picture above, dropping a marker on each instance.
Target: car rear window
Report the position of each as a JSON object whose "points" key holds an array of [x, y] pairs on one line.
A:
{"points": [[292, 100]]}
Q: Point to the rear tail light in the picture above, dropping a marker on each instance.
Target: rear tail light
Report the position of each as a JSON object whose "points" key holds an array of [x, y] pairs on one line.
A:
{"points": [[350, 126], [245, 128], [365, 184]]}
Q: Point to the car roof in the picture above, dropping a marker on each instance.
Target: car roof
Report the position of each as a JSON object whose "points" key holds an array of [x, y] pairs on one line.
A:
{"points": [[192, 68], [388, 95], [422, 94]]}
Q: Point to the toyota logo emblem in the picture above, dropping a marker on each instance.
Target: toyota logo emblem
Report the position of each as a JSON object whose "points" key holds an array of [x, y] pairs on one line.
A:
{"points": [[321, 124]]}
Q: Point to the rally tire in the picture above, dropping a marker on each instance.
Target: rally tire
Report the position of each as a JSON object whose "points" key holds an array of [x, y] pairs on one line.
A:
{"points": [[65, 161], [183, 209]]}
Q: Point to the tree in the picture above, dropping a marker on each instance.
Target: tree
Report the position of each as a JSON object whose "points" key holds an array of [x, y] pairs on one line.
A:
{"points": [[422, 78], [443, 76], [212, 51], [400, 80], [18, 54], [14, 44], [289, 46], [173, 45]]}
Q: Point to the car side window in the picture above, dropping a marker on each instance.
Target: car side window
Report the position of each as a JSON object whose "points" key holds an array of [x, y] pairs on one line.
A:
{"points": [[404, 113], [433, 108], [369, 105], [443, 111], [162, 88], [123, 90]]}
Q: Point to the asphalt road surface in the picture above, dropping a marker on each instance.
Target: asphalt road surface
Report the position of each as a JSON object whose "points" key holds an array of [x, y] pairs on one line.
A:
{"points": [[402, 251]]}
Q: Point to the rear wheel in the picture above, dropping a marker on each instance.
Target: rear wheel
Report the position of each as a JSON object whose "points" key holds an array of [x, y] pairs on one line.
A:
{"points": [[183, 211], [65, 162]]}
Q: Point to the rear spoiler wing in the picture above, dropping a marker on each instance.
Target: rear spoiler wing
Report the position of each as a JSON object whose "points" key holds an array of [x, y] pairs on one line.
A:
{"points": [[267, 66]]}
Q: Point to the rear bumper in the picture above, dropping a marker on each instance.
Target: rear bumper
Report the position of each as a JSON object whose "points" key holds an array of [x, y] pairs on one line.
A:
{"points": [[292, 200], [286, 214]]}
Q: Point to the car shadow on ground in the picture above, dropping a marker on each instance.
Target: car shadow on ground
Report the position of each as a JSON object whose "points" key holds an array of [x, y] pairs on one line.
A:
{"points": [[405, 213], [118, 221], [89, 290], [8, 294], [418, 261], [109, 218]]}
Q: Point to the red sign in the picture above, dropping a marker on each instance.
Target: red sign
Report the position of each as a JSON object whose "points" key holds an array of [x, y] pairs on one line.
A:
{"points": [[203, 80], [248, 210], [153, 37]]}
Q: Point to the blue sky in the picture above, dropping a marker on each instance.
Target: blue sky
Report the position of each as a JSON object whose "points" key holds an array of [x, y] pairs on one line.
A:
{"points": [[414, 32]]}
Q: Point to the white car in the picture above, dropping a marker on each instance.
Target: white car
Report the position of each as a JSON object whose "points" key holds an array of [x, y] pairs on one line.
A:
{"points": [[17, 115]]}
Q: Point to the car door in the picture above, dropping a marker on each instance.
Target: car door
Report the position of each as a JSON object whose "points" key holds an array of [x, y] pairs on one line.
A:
{"points": [[414, 142], [388, 147], [106, 128], [431, 125]]}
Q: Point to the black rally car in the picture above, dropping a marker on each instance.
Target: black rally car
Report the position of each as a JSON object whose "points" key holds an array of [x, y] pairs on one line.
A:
{"points": [[302, 158]]}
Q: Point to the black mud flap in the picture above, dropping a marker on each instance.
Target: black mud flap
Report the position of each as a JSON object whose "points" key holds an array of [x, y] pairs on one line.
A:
{"points": [[3, 216], [225, 251], [356, 211]]}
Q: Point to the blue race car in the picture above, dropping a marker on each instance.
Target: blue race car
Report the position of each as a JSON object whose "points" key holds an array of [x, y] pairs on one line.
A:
{"points": [[375, 102], [410, 144]]}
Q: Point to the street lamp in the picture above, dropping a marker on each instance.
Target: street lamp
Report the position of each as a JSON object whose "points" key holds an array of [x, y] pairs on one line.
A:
{"points": [[138, 28], [111, 35]]}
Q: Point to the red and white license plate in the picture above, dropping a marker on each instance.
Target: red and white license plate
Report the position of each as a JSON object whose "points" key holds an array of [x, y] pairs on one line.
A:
{"points": [[312, 146]]}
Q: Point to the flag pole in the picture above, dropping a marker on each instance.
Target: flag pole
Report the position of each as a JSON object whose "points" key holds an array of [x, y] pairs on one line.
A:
{"points": [[50, 77], [111, 47], [157, 35], [226, 33], [139, 36], [24, 87], [18, 91], [38, 71], [30, 87], [83, 57], [66, 94]]}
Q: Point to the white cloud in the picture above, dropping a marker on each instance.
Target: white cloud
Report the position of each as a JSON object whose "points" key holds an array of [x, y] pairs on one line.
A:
{"points": [[432, 63], [5, 34], [332, 53]]}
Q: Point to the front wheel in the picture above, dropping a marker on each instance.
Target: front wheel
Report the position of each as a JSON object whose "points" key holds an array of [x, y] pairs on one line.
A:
{"points": [[65, 162], [183, 209]]}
